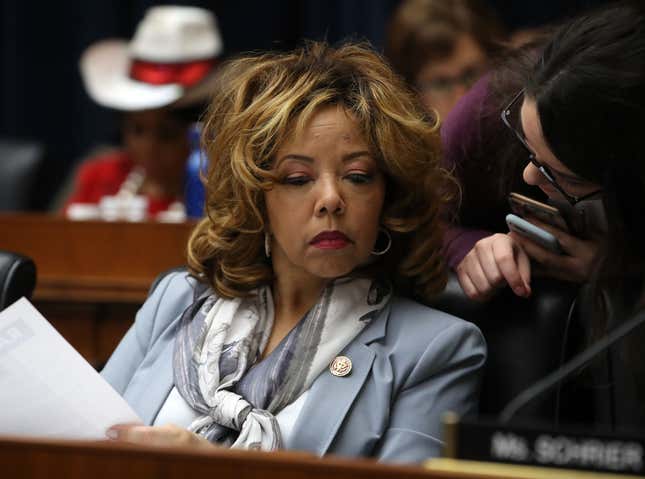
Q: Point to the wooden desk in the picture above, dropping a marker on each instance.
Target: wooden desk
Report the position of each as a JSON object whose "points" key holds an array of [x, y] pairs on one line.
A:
{"points": [[93, 275], [75, 460], [35, 459]]}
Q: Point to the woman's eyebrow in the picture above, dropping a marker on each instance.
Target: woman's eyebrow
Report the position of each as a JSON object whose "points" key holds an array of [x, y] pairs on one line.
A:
{"points": [[356, 154], [309, 159], [293, 156]]}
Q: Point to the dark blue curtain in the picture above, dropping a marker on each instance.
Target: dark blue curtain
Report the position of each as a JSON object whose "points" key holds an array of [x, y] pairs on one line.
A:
{"points": [[41, 94]]}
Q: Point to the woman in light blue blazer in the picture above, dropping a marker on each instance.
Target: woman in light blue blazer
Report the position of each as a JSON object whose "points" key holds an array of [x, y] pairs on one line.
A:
{"points": [[290, 329]]}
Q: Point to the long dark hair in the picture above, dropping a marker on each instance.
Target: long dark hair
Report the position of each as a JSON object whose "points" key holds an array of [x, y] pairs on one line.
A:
{"points": [[589, 87]]}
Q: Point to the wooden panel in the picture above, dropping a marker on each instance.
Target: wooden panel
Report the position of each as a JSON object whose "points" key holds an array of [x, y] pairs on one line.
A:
{"points": [[94, 261], [93, 275]]}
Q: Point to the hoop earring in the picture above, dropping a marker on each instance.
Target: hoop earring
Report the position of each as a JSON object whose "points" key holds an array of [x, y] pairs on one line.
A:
{"points": [[267, 244], [389, 243]]}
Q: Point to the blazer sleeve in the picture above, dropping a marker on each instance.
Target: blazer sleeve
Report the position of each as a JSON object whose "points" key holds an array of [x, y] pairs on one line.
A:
{"points": [[149, 323], [446, 378]]}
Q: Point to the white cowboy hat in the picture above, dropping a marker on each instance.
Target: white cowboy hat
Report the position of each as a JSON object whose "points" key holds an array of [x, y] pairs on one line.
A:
{"points": [[169, 61]]}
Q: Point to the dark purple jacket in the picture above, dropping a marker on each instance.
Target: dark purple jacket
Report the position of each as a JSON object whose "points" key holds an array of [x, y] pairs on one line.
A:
{"points": [[478, 149]]}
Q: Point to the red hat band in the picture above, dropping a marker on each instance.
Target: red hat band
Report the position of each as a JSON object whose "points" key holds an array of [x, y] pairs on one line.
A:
{"points": [[186, 74]]}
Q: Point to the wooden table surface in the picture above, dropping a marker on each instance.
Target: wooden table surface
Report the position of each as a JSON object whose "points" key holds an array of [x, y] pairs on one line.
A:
{"points": [[37, 458]]}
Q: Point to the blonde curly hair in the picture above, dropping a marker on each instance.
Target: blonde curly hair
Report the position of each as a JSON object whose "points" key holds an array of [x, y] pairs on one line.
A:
{"points": [[261, 100]]}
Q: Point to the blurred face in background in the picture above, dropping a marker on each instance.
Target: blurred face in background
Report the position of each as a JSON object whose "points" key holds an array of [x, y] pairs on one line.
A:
{"points": [[157, 141], [441, 83]]}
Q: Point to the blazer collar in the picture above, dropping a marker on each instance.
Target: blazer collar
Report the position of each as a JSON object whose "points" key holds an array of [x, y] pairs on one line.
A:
{"points": [[331, 397], [156, 383], [376, 329]]}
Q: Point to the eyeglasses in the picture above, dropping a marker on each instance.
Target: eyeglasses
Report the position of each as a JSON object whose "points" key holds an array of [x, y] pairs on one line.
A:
{"points": [[545, 170]]}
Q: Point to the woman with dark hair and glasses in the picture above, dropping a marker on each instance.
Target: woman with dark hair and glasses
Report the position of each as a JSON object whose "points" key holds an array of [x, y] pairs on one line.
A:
{"points": [[574, 112], [574, 109], [583, 117]]}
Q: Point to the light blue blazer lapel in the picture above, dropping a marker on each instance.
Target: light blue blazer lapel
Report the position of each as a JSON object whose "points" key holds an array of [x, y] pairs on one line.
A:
{"points": [[150, 387], [330, 397]]}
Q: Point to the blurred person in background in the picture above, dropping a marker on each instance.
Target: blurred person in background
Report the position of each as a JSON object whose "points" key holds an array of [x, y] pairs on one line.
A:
{"points": [[158, 81], [442, 47]]}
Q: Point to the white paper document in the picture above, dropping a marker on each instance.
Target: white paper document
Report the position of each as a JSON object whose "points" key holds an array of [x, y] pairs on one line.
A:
{"points": [[47, 389]]}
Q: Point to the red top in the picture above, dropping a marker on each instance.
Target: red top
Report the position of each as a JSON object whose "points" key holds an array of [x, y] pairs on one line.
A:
{"points": [[103, 175]]}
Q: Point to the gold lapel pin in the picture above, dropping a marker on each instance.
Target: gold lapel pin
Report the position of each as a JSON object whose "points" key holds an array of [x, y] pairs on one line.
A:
{"points": [[340, 366]]}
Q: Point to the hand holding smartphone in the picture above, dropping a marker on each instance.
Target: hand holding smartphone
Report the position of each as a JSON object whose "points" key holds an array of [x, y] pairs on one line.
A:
{"points": [[526, 208]]}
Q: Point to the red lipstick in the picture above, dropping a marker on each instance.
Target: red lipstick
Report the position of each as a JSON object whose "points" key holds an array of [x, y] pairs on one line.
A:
{"points": [[330, 240]]}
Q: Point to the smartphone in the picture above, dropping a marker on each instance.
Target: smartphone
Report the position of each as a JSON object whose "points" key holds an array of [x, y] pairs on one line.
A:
{"points": [[528, 207], [534, 233]]}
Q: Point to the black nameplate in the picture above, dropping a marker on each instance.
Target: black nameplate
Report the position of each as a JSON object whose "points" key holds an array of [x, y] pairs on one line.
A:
{"points": [[550, 448]]}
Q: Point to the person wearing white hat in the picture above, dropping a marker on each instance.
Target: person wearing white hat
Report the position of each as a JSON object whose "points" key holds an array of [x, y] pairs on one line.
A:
{"points": [[158, 80]]}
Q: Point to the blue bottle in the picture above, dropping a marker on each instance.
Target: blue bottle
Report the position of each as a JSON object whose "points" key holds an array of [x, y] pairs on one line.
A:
{"points": [[197, 161]]}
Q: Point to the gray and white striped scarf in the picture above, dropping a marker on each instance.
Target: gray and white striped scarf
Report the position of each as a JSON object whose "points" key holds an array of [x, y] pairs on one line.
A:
{"points": [[220, 340]]}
